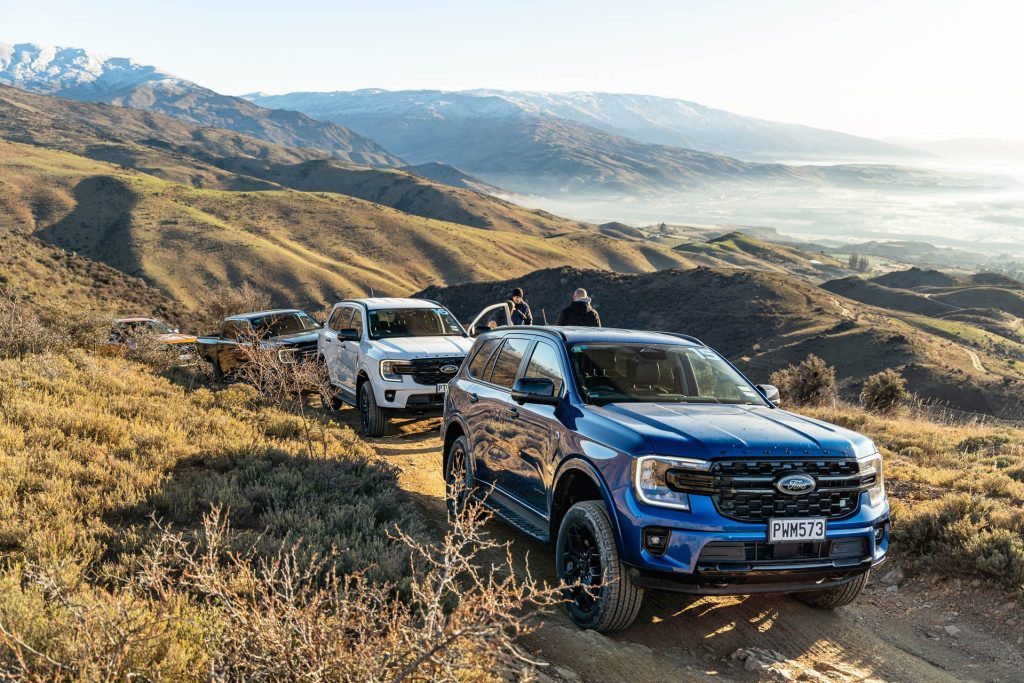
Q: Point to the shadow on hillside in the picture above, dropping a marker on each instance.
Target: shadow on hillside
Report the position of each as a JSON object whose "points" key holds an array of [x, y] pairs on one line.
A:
{"points": [[100, 225]]}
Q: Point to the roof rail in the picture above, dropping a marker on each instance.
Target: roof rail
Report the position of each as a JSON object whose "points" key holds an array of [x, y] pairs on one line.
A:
{"points": [[684, 336], [532, 328]]}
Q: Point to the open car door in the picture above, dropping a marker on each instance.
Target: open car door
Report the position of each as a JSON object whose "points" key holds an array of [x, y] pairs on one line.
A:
{"points": [[479, 324]]}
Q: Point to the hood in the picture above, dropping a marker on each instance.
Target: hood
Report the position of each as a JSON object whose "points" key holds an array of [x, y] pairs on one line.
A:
{"points": [[175, 338], [419, 347], [727, 431], [295, 339]]}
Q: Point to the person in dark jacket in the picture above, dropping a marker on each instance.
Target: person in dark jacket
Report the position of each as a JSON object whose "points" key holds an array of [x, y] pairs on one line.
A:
{"points": [[521, 314], [579, 313]]}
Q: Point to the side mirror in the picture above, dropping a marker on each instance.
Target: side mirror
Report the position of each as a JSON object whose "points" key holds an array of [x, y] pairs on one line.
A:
{"points": [[534, 390], [770, 393], [348, 334]]}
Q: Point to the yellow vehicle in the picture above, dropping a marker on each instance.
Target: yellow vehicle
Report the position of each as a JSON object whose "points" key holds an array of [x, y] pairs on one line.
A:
{"points": [[125, 330]]}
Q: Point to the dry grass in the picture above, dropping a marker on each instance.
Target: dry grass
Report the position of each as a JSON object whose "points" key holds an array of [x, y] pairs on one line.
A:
{"points": [[957, 491]]}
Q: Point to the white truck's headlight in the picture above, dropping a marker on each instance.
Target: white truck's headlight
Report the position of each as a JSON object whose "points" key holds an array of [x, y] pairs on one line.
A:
{"points": [[873, 464], [387, 371], [650, 481]]}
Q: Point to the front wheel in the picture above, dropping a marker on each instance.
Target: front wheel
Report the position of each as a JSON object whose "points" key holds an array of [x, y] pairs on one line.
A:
{"points": [[831, 598], [599, 592], [458, 479], [372, 417]]}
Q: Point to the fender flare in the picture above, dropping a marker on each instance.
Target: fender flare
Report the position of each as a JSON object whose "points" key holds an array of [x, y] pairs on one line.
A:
{"points": [[579, 463], [445, 426]]}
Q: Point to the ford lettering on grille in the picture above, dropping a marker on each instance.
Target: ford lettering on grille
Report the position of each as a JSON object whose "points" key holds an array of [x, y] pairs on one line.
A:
{"points": [[795, 484]]}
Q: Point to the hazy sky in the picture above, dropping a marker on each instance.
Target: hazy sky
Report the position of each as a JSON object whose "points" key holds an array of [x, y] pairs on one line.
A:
{"points": [[931, 69]]}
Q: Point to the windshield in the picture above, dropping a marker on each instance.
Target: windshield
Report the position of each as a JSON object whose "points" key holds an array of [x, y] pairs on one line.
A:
{"points": [[658, 373], [414, 322], [281, 324], [135, 327]]}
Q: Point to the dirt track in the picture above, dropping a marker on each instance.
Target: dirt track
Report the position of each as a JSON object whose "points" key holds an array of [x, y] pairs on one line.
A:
{"points": [[892, 635]]}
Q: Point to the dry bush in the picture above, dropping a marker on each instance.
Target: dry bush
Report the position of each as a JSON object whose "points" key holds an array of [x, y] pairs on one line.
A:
{"points": [[221, 302], [884, 392], [143, 345], [47, 328], [964, 534], [808, 383], [285, 380], [195, 609]]}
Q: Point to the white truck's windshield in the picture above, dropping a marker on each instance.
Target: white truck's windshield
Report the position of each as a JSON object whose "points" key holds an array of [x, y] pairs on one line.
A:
{"points": [[658, 373], [413, 322]]}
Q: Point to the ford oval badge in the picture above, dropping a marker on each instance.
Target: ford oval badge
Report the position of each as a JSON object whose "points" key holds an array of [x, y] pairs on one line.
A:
{"points": [[449, 369], [795, 484]]}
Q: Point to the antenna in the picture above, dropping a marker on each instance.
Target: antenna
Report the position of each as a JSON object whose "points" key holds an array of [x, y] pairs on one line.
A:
{"points": [[544, 315]]}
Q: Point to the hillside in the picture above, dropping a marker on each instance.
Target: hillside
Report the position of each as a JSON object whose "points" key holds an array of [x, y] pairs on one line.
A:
{"points": [[219, 159], [869, 292], [38, 273], [763, 321], [914, 278], [648, 119], [303, 248], [745, 251], [77, 74]]}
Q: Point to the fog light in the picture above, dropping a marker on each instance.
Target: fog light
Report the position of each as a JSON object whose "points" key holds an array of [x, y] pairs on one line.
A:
{"points": [[389, 395], [879, 533], [656, 539]]}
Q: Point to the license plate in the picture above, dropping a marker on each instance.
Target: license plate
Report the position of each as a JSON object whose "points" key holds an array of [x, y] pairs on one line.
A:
{"points": [[442, 388], [782, 530]]}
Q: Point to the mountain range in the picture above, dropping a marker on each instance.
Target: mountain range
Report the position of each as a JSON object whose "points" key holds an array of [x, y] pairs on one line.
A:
{"points": [[579, 144], [643, 118], [81, 75]]}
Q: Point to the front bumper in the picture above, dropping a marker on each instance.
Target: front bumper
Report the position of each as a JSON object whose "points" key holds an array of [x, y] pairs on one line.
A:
{"points": [[409, 396], [711, 554]]}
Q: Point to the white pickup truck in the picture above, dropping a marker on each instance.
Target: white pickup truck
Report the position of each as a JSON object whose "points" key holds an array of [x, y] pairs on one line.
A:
{"points": [[390, 356]]}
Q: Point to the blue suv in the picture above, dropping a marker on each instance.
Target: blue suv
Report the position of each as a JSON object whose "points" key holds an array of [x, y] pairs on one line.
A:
{"points": [[650, 462]]}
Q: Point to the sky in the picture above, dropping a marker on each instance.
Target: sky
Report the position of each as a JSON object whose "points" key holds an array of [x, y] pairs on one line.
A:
{"points": [[894, 69]]}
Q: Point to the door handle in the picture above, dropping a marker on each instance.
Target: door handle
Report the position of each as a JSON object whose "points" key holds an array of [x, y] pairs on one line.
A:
{"points": [[473, 398]]}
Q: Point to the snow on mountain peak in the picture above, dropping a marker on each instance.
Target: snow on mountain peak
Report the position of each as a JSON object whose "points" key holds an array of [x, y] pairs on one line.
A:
{"points": [[46, 68]]}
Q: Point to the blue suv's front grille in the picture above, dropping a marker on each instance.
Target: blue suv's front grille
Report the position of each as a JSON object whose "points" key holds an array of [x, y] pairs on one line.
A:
{"points": [[745, 490]]}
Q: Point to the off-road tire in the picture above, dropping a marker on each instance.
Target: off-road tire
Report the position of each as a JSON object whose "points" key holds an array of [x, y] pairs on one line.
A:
{"points": [[218, 374], [372, 418], [831, 598], [456, 465], [616, 602]]}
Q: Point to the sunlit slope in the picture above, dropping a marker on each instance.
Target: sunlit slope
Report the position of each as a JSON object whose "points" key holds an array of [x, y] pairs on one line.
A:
{"points": [[304, 248], [745, 251]]}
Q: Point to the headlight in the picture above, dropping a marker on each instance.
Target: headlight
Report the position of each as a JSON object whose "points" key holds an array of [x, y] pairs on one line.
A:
{"points": [[650, 479], [287, 355], [873, 464], [387, 371]]}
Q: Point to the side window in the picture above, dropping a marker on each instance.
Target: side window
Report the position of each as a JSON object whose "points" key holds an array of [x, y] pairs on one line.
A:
{"points": [[357, 320], [480, 358], [509, 358], [339, 319], [544, 363], [232, 329]]}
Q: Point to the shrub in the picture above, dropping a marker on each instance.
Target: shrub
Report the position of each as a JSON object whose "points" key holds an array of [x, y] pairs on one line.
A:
{"points": [[963, 533], [27, 330], [220, 302], [810, 382], [884, 392]]}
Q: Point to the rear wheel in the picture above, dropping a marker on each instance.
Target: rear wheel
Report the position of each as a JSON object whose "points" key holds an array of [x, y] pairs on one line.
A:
{"points": [[600, 595], [457, 478], [218, 373], [831, 598], [372, 417]]}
